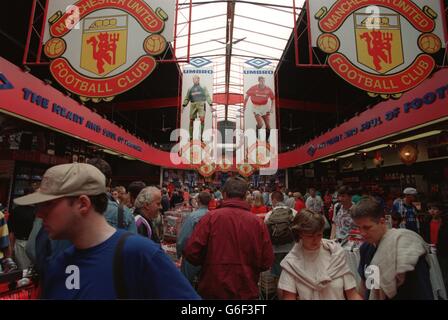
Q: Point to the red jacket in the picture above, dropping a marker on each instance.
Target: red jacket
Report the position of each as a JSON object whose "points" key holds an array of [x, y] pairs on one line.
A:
{"points": [[260, 209], [299, 205], [213, 204], [233, 247]]}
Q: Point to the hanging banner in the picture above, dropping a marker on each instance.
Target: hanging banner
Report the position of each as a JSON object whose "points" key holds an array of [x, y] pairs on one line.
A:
{"points": [[259, 115], [207, 170], [381, 47], [419, 107], [225, 164], [259, 100], [246, 170], [100, 49], [196, 115], [29, 98]]}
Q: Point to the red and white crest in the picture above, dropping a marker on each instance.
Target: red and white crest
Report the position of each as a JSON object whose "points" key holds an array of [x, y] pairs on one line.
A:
{"points": [[100, 49], [382, 47]]}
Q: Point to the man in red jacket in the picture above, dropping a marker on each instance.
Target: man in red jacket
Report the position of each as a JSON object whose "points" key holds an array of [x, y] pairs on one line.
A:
{"points": [[233, 247]]}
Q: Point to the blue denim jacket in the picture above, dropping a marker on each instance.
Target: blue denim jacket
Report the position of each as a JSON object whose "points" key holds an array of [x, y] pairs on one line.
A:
{"points": [[111, 216], [189, 271]]}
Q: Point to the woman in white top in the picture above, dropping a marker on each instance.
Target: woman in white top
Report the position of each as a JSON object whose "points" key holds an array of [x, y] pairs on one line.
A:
{"points": [[315, 268]]}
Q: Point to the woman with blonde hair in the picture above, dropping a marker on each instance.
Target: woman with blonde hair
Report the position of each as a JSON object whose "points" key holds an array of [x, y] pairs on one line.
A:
{"points": [[258, 206], [300, 201], [315, 268]]}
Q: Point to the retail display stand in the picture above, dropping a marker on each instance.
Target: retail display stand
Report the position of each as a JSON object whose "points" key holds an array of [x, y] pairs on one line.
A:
{"points": [[172, 224], [173, 221], [267, 286], [18, 285]]}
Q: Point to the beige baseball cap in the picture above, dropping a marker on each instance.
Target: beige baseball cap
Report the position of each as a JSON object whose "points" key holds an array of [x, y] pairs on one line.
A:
{"points": [[65, 180]]}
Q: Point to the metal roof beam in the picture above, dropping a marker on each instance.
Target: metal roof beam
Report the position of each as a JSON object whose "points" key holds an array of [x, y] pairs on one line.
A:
{"points": [[229, 45], [203, 31], [263, 45], [261, 33], [256, 53], [202, 19], [263, 21]]}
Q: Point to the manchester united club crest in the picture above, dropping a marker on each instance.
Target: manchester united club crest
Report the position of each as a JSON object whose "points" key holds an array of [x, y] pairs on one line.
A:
{"points": [[382, 47], [104, 44], [245, 169], [207, 169], [225, 164], [378, 42], [111, 49]]}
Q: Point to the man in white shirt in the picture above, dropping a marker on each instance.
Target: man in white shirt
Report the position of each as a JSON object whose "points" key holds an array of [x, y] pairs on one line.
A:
{"points": [[314, 202], [342, 223]]}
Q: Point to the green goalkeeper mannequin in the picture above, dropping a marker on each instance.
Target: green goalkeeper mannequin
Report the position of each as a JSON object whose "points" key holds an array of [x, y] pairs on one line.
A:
{"points": [[198, 96]]}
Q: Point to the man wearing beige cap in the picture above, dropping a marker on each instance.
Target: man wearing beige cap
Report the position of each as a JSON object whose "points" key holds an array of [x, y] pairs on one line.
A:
{"points": [[40, 248], [103, 263]]}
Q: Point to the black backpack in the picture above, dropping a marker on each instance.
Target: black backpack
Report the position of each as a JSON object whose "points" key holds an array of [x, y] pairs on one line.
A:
{"points": [[279, 226]]}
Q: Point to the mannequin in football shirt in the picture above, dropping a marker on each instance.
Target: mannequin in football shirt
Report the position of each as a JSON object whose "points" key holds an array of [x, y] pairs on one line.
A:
{"points": [[258, 97], [197, 95]]}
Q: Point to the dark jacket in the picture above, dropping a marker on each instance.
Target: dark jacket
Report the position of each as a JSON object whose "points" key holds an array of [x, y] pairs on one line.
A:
{"points": [[142, 229], [21, 221], [165, 203], [176, 199], [417, 284], [442, 241]]}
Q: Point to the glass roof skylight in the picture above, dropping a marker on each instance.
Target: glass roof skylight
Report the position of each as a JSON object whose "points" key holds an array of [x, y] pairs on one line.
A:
{"points": [[261, 28]]}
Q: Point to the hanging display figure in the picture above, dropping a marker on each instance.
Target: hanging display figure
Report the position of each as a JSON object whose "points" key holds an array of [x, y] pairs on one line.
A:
{"points": [[197, 96]]}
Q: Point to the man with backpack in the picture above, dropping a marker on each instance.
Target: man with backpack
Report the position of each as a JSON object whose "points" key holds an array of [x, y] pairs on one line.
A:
{"points": [[118, 215], [102, 263], [278, 222], [40, 247]]}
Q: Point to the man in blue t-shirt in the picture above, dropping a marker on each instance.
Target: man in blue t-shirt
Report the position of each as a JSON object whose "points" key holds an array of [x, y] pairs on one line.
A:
{"points": [[40, 248], [103, 263]]}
